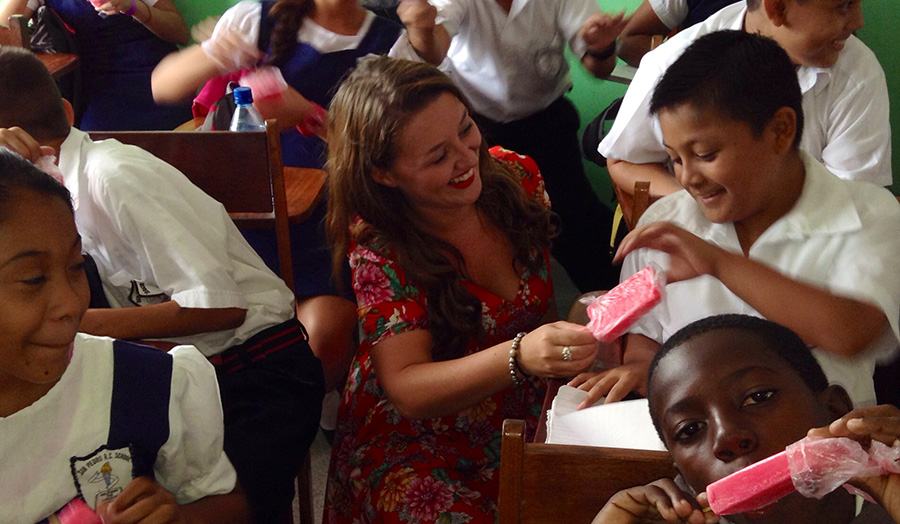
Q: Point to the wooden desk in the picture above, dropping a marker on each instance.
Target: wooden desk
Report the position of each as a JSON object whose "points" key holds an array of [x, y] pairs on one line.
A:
{"points": [[304, 188], [58, 64]]}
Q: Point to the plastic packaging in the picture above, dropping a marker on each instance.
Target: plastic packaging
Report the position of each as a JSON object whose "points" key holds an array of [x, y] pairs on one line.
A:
{"points": [[812, 467], [614, 312], [265, 82], [246, 117], [47, 164], [818, 467]]}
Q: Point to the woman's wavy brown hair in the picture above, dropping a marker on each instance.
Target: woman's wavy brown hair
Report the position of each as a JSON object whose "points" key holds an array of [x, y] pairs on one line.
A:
{"points": [[366, 118], [289, 15]]}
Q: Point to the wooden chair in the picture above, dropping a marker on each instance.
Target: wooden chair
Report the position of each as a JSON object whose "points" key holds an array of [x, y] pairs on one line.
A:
{"points": [[16, 34], [243, 171], [552, 483], [634, 204]]}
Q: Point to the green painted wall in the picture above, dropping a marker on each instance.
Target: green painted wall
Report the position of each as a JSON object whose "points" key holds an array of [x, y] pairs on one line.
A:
{"points": [[591, 95]]}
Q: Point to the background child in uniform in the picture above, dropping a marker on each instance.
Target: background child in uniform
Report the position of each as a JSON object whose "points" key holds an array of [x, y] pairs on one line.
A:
{"points": [[83, 416], [762, 228]]}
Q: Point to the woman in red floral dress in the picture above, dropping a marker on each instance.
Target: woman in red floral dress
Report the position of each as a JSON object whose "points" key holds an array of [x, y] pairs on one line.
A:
{"points": [[449, 248]]}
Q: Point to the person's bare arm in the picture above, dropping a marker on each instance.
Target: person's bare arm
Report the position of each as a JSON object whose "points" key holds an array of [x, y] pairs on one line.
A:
{"points": [[625, 174], [178, 76], [14, 7], [599, 34], [143, 500], [166, 320], [636, 37], [421, 388], [430, 40]]}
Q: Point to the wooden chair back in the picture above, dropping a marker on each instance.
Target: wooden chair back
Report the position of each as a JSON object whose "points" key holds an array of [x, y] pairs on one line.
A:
{"points": [[634, 203], [559, 484], [242, 170], [16, 34]]}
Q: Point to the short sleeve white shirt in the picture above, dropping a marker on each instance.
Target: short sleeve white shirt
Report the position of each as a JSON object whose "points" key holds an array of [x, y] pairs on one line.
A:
{"points": [[156, 237], [670, 12], [509, 65], [240, 24], [841, 236], [73, 418], [845, 107]]}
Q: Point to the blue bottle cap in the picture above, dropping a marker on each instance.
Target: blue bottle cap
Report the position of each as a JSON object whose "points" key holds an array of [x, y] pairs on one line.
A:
{"points": [[243, 95]]}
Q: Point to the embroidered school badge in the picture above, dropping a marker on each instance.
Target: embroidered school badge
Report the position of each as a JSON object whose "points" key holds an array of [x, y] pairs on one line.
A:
{"points": [[103, 474], [143, 295]]}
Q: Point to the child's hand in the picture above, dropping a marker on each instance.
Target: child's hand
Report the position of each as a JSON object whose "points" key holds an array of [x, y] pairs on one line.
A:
{"points": [[659, 501], [613, 383], [881, 423], [142, 501], [417, 15], [691, 256], [601, 29], [19, 141]]}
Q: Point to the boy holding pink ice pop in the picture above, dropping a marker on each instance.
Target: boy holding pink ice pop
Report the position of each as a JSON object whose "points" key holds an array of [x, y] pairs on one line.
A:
{"points": [[729, 391], [762, 228]]}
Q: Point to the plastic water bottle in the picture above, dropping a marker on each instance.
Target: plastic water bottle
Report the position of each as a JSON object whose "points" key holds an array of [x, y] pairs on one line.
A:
{"points": [[246, 117]]}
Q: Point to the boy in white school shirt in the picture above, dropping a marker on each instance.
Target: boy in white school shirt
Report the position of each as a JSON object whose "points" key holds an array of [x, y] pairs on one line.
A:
{"points": [[173, 266], [762, 227], [508, 58], [845, 97]]}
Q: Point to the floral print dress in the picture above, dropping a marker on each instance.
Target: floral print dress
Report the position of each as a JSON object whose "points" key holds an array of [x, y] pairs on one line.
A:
{"points": [[392, 469]]}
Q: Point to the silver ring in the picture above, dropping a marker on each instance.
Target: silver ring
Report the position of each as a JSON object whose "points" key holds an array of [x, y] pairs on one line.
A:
{"points": [[567, 353]]}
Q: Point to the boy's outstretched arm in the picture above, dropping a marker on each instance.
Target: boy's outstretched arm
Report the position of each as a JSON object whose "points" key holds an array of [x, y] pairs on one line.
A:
{"points": [[144, 501], [840, 325], [166, 320], [430, 40], [659, 501], [881, 423], [599, 34]]}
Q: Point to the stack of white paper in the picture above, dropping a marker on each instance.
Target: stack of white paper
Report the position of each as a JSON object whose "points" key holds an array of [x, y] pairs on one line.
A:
{"points": [[623, 424]]}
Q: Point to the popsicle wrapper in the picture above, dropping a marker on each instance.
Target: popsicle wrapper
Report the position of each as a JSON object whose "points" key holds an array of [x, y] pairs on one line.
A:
{"points": [[265, 82], [47, 164], [819, 466], [614, 312]]}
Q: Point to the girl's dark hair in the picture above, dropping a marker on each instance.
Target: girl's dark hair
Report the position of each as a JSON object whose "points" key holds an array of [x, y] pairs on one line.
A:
{"points": [[289, 15], [16, 174], [776, 338], [742, 76], [366, 118]]}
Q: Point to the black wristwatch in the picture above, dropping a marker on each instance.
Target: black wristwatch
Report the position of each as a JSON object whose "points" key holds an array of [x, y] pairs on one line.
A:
{"points": [[604, 53]]}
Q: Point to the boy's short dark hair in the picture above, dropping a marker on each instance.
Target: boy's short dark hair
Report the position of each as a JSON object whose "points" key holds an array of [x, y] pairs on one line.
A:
{"points": [[778, 339], [29, 97], [743, 76]]}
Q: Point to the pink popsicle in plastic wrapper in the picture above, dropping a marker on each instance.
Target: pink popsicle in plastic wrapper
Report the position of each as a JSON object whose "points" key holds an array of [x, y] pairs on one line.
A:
{"points": [[78, 512], [811, 467], [265, 82], [612, 313]]}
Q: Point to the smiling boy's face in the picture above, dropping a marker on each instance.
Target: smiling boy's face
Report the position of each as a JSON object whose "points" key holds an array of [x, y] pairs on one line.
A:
{"points": [[723, 401], [814, 32]]}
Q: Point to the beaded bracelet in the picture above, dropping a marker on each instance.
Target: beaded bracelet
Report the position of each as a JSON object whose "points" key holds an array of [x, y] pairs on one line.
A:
{"points": [[513, 358]]}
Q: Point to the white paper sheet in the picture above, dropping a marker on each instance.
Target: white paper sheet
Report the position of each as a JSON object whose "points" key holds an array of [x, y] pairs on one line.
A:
{"points": [[623, 424]]}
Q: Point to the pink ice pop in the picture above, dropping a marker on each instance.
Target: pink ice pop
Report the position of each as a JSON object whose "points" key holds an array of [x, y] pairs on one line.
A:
{"points": [[611, 314], [812, 467], [753, 487], [78, 512]]}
